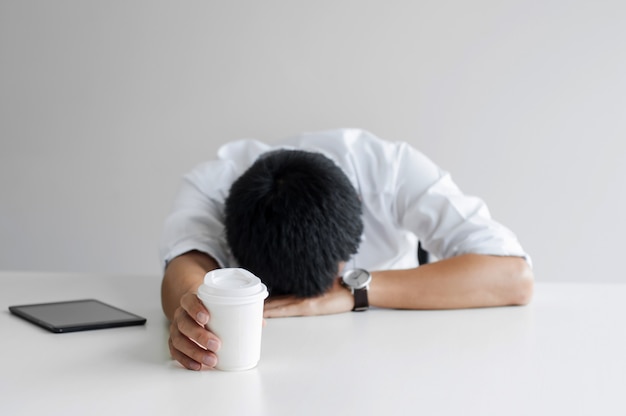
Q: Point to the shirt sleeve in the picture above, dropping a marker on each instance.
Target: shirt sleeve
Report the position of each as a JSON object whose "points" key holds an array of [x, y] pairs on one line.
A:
{"points": [[446, 221], [196, 220]]}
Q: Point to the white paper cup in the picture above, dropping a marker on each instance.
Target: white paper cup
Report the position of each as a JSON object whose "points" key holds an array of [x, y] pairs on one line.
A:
{"points": [[234, 298]]}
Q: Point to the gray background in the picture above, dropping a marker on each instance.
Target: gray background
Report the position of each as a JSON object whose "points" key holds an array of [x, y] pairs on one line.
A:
{"points": [[105, 104]]}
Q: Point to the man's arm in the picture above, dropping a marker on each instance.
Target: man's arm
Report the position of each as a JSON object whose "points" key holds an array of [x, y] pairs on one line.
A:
{"points": [[183, 274], [466, 281], [190, 343]]}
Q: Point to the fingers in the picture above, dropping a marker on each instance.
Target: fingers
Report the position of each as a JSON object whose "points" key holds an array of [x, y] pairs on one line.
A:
{"points": [[190, 343], [288, 306], [336, 300], [279, 301], [195, 308], [183, 359]]}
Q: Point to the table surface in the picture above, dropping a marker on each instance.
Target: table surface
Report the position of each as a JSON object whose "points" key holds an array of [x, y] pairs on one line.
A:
{"points": [[561, 355]]}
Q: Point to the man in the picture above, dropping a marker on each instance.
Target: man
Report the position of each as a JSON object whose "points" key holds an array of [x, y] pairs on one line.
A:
{"points": [[330, 221]]}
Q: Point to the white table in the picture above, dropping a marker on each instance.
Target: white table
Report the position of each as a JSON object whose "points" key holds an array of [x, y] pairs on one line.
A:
{"points": [[562, 355]]}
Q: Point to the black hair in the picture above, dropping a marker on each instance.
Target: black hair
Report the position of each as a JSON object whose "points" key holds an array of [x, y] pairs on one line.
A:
{"points": [[291, 218]]}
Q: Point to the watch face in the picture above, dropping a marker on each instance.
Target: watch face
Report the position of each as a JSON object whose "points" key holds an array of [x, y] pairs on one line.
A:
{"points": [[357, 278]]}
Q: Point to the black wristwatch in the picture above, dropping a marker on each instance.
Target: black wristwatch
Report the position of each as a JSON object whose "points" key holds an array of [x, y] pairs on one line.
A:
{"points": [[358, 281]]}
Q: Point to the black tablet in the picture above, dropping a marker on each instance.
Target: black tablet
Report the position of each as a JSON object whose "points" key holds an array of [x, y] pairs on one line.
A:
{"points": [[76, 315]]}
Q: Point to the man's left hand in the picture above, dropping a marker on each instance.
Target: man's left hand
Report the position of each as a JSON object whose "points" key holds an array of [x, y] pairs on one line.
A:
{"points": [[337, 300]]}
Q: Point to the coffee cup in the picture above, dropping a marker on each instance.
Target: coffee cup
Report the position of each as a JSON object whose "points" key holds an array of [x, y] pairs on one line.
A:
{"points": [[234, 298]]}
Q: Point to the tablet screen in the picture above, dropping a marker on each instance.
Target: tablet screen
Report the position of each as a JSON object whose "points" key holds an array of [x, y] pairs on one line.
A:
{"points": [[77, 315]]}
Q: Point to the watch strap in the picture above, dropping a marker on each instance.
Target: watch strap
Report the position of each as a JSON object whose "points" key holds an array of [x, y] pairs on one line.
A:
{"points": [[361, 303]]}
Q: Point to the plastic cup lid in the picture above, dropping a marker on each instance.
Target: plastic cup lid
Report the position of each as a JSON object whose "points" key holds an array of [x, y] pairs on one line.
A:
{"points": [[232, 283]]}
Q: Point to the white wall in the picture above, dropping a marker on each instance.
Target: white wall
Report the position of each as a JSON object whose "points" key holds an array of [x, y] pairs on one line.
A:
{"points": [[104, 104]]}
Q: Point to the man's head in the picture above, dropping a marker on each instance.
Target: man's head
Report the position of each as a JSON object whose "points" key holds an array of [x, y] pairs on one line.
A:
{"points": [[291, 218]]}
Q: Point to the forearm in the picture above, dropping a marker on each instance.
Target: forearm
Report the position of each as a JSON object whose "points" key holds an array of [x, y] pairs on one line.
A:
{"points": [[466, 281], [183, 274]]}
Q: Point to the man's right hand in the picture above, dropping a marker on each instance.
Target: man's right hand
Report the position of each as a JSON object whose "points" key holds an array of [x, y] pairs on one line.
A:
{"points": [[190, 342]]}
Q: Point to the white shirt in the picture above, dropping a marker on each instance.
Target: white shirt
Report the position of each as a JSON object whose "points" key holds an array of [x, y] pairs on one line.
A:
{"points": [[405, 197]]}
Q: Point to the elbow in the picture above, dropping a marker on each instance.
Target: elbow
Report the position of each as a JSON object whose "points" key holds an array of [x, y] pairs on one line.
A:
{"points": [[523, 283]]}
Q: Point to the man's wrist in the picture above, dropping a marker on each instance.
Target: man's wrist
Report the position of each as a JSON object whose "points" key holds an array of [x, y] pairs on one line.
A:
{"points": [[358, 280]]}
